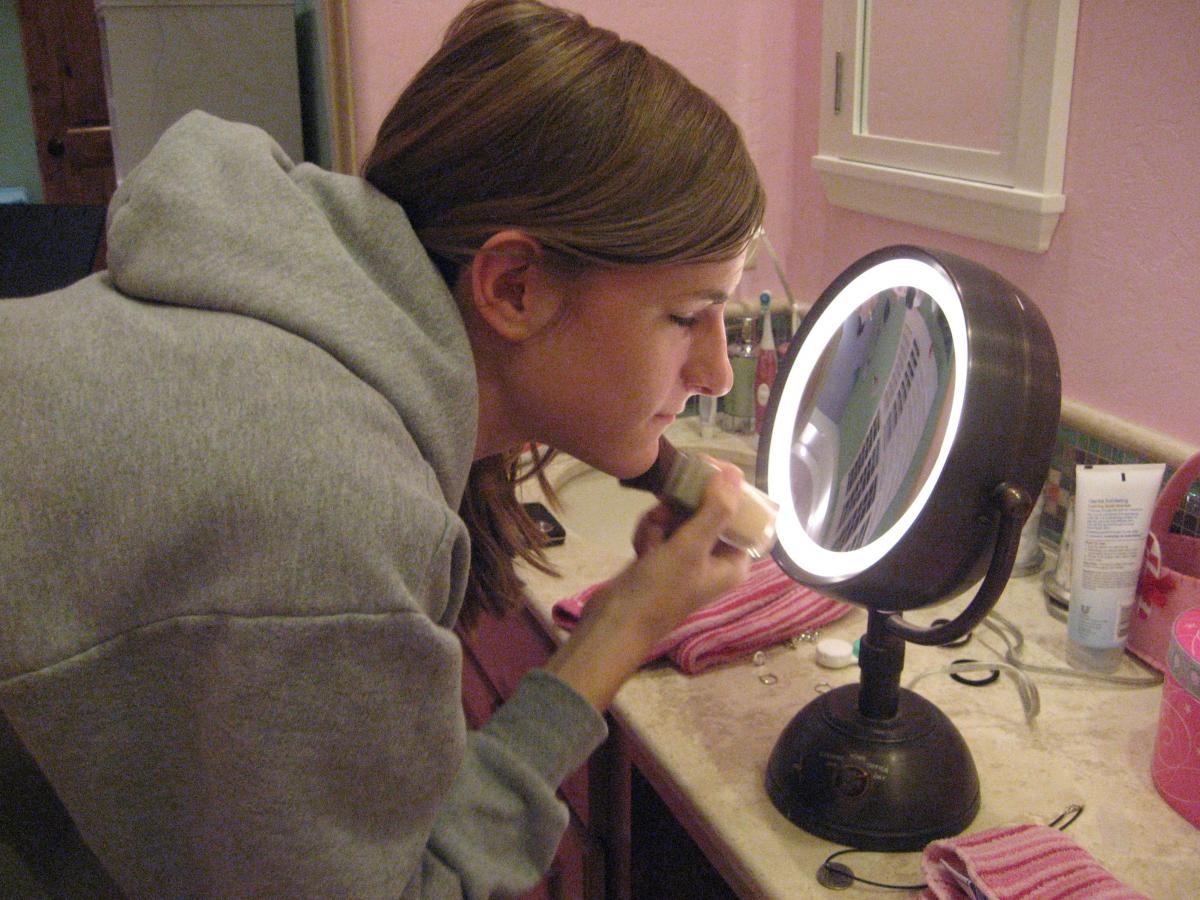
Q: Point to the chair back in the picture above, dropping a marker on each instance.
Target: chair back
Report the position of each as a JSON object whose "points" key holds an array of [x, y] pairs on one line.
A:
{"points": [[47, 246]]}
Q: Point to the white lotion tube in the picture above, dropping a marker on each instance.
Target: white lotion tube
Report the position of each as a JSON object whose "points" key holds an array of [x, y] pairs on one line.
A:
{"points": [[1113, 506]]}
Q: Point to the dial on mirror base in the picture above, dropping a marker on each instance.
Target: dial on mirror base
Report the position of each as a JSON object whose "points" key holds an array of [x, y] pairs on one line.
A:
{"points": [[876, 784]]}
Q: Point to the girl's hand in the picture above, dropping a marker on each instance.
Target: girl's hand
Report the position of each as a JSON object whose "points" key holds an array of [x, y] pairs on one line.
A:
{"points": [[681, 560], [682, 565]]}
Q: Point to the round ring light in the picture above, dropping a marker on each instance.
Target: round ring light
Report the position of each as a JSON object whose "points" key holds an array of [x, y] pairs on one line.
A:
{"points": [[855, 307]]}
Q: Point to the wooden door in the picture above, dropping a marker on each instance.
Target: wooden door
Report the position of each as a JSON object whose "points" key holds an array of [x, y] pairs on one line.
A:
{"points": [[61, 42]]}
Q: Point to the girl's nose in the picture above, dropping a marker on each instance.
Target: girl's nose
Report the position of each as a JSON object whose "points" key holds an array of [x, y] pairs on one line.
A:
{"points": [[708, 370]]}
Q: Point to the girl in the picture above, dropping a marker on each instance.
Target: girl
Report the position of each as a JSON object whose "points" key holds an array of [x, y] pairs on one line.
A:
{"points": [[256, 471]]}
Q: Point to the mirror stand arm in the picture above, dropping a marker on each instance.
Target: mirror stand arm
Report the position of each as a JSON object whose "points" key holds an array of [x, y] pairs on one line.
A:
{"points": [[1015, 505]]}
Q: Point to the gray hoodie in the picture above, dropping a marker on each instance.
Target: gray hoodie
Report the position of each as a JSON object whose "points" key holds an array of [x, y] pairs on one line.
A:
{"points": [[230, 556]]}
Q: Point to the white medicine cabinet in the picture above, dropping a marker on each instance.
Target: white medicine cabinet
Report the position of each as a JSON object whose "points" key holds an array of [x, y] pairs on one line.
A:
{"points": [[950, 114]]}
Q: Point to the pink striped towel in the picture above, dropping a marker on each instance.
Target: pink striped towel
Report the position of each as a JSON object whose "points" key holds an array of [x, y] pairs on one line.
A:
{"points": [[1026, 861], [767, 608]]}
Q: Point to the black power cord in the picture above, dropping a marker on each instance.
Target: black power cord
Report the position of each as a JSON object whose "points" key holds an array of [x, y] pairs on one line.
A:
{"points": [[838, 876]]}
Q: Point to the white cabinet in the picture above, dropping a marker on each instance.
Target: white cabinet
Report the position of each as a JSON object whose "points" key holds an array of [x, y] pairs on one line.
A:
{"points": [[950, 114], [163, 58]]}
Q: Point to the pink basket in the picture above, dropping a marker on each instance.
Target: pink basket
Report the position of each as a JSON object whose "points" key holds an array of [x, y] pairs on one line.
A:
{"points": [[1170, 582], [1176, 765]]}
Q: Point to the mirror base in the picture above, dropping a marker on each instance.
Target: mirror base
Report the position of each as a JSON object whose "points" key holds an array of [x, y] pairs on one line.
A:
{"points": [[874, 784]]}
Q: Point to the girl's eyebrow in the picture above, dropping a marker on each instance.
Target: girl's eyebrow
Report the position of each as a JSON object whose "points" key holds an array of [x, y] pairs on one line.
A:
{"points": [[713, 295]]}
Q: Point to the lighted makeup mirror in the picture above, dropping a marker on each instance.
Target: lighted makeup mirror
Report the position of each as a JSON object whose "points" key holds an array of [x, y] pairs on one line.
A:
{"points": [[906, 440]]}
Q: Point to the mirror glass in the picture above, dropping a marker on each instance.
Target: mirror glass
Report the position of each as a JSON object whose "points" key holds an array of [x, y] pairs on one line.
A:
{"points": [[873, 399], [941, 71], [868, 428]]}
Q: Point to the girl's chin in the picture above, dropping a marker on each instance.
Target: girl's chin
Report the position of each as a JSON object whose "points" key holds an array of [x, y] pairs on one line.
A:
{"points": [[623, 451], [627, 461]]}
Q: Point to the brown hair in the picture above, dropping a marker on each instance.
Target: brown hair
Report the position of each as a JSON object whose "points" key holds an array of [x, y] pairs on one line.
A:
{"points": [[530, 118]]}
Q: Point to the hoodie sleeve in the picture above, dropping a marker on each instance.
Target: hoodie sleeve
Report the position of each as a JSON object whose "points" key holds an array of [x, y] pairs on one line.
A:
{"points": [[537, 738]]}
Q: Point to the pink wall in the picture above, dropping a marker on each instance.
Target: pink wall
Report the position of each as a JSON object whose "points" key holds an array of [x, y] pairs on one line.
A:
{"points": [[1117, 282]]}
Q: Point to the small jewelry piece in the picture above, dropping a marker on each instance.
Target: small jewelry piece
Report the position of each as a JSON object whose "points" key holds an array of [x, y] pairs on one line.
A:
{"points": [[835, 876], [805, 637], [822, 686], [768, 678], [759, 658]]}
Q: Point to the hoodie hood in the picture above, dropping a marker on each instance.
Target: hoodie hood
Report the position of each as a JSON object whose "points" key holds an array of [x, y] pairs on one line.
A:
{"points": [[217, 217]]}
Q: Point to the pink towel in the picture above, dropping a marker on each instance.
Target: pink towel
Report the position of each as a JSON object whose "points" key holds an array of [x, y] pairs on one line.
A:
{"points": [[1025, 861], [767, 608]]}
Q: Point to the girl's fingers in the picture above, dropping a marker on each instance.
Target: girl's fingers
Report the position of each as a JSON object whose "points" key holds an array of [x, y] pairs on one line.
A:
{"points": [[703, 529], [655, 527]]}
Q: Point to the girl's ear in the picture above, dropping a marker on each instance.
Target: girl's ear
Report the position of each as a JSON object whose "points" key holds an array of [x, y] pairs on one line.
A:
{"points": [[509, 289]]}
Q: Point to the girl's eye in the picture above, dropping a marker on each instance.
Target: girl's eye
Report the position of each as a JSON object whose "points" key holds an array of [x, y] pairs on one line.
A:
{"points": [[685, 321]]}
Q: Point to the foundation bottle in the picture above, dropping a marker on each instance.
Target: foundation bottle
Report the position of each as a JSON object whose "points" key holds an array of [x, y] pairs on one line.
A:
{"points": [[678, 479]]}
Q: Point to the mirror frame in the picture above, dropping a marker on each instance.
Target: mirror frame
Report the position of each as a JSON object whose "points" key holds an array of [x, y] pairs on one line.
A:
{"points": [[1005, 338], [1019, 205]]}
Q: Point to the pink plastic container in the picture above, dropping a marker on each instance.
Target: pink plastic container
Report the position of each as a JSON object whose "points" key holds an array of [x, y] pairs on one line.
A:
{"points": [[1176, 765]]}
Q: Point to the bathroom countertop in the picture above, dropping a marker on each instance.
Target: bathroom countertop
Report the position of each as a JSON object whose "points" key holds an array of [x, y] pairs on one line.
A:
{"points": [[703, 742]]}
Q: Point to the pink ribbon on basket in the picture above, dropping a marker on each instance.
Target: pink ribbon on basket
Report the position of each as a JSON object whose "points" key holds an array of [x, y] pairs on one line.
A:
{"points": [[768, 607]]}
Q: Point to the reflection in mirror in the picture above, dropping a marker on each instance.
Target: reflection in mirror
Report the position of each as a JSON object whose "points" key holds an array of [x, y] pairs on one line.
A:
{"points": [[873, 399], [868, 428]]}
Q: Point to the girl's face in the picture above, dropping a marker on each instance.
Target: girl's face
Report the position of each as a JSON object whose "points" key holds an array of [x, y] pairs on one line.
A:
{"points": [[628, 349]]}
